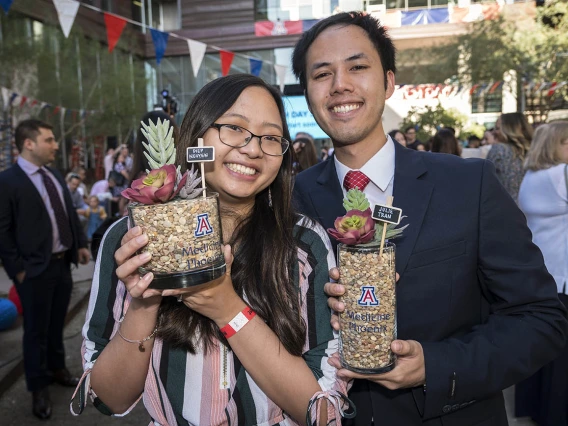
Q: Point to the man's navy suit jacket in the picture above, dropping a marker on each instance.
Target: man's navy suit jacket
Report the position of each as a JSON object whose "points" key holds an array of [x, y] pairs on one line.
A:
{"points": [[473, 289], [26, 241]]}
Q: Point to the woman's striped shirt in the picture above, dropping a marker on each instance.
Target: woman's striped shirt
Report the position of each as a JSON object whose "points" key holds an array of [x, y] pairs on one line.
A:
{"points": [[213, 388]]}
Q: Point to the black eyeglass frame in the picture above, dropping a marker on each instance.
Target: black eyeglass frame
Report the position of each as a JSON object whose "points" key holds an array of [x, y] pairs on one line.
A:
{"points": [[219, 125]]}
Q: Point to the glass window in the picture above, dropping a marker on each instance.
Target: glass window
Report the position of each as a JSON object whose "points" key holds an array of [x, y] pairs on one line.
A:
{"points": [[421, 4], [396, 4], [487, 102], [169, 16]]}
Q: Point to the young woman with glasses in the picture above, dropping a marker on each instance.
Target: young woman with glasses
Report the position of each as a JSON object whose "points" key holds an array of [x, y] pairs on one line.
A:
{"points": [[274, 370]]}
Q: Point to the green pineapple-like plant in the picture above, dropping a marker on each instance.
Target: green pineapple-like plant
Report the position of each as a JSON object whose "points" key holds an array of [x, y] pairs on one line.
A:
{"points": [[355, 200], [160, 149]]}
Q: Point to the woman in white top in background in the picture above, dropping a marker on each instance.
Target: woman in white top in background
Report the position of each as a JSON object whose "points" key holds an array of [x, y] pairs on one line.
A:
{"points": [[543, 197]]}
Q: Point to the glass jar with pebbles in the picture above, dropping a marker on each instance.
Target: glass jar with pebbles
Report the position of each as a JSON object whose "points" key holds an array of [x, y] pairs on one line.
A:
{"points": [[181, 220], [367, 270]]}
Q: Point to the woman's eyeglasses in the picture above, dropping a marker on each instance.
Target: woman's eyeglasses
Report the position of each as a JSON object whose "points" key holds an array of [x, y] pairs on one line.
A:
{"points": [[237, 137]]}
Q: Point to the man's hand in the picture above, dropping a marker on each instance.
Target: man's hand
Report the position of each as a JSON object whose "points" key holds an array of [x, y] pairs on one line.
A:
{"points": [[409, 370], [20, 277], [84, 256]]}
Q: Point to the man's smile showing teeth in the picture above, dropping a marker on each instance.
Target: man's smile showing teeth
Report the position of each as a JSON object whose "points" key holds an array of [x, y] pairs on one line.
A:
{"points": [[239, 168], [345, 108]]}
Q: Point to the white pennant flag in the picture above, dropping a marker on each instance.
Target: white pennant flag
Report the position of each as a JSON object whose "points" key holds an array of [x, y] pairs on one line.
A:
{"points": [[5, 97], [66, 12], [281, 73], [196, 51]]}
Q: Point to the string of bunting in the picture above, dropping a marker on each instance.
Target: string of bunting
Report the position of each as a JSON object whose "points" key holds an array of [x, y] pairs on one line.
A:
{"points": [[67, 12], [11, 98]]}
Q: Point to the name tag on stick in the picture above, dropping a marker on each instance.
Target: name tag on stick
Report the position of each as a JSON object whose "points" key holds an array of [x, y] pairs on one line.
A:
{"points": [[387, 214], [200, 154]]}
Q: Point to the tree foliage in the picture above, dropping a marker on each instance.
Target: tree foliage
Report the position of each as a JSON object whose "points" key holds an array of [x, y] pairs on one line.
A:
{"points": [[536, 49], [428, 120], [40, 63]]}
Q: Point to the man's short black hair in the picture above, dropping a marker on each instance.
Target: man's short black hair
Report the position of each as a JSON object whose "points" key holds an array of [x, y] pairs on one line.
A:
{"points": [[376, 32], [29, 129]]}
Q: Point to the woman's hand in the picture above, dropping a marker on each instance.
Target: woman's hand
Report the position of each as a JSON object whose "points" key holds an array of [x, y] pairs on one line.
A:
{"points": [[217, 299], [128, 263]]}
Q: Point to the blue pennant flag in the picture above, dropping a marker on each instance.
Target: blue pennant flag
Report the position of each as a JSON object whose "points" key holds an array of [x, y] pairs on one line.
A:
{"points": [[255, 67], [160, 40], [6, 4]]}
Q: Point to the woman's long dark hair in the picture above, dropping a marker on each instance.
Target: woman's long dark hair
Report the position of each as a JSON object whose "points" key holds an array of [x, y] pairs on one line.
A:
{"points": [[446, 142], [263, 242]]}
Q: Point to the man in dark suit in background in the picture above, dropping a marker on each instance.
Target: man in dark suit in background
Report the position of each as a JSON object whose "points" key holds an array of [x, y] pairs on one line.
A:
{"points": [[40, 237], [477, 311]]}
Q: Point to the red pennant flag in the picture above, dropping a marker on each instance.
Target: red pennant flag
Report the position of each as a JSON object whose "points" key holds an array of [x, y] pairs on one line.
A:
{"points": [[56, 110], [114, 25], [23, 101], [226, 60]]}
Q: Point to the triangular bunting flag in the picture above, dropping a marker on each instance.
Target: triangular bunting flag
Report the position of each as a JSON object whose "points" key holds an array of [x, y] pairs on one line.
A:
{"points": [[114, 25], [12, 97], [160, 40], [63, 111], [196, 52], [6, 4], [226, 60], [23, 101], [281, 73], [255, 66], [66, 12], [56, 110]]}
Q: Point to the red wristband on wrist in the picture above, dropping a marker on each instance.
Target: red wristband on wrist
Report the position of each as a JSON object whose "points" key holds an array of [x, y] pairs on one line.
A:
{"points": [[238, 322]]}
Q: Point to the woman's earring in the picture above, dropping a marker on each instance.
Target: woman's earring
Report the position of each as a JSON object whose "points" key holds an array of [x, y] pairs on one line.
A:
{"points": [[269, 197]]}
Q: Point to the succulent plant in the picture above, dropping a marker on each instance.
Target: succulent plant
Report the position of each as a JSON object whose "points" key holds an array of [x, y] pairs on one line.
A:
{"points": [[391, 233], [190, 188], [355, 200], [160, 149]]}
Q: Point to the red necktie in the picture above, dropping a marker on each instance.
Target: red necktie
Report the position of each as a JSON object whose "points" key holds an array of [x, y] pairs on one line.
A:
{"points": [[65, 233], [355, 179]]}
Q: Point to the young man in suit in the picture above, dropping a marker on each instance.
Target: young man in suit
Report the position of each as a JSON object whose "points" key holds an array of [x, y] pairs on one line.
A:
{"points": [[477, 310], [40, 237]]}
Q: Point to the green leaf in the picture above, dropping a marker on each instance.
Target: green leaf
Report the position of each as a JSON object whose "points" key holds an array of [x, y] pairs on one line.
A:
{"points": [[160, 149], [355, 200]]}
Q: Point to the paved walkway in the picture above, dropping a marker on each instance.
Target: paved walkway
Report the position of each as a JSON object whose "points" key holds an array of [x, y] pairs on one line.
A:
{"points": [[11, 340]]}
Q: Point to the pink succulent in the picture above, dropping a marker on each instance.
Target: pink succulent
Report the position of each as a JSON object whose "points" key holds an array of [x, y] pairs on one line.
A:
{"points": [[159, 186], [356, 227]]}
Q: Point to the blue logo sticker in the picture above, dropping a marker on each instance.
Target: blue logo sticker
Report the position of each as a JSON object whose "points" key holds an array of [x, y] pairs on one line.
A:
{"points": [[203, 226], [368, 297]]}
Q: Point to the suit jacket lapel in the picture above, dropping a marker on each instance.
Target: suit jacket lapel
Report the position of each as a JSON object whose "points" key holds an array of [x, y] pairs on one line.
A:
{"points": [[327, 195], [27, 185], [411, 192]]}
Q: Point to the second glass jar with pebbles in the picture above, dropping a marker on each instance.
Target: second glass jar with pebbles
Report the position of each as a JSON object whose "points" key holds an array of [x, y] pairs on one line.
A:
{"points": [[368, 324], [366, 263]]}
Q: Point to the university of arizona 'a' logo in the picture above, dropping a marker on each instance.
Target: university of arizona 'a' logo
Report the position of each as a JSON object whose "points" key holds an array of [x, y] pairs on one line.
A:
{"points": [[203, 226], [368, 297]]}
